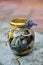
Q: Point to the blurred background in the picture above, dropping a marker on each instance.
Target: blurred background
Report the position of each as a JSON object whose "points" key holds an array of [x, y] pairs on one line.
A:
{"points": [[10, 9]]}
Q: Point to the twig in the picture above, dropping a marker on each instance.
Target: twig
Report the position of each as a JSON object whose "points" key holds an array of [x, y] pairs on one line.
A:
{"points": [[18, 60]]}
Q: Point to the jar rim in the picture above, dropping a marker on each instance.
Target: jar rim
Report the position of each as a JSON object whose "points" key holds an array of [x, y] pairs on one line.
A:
{"points": [[18, 21]]}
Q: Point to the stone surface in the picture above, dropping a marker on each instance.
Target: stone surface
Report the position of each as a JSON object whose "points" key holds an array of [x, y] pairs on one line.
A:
{"points": [[6, 55]]}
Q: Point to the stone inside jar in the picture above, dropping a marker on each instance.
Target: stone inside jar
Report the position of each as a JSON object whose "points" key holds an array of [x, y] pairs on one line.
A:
{"points": [[19, 40], [21, 43]]}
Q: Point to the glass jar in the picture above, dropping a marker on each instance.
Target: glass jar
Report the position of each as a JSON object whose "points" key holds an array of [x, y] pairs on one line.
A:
{"points": [[21, 40]]}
